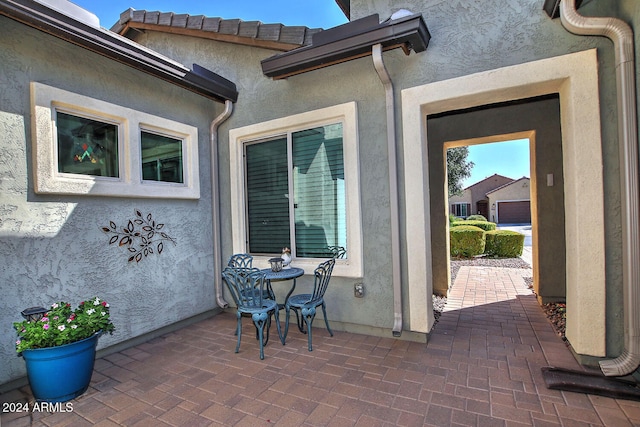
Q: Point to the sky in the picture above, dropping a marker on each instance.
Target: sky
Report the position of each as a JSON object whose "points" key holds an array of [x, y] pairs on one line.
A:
{"points": [[510, 159], [310, 13]]}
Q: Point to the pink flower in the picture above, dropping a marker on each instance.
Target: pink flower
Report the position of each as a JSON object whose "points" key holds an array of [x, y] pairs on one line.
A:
{"points": [[45, 326]]}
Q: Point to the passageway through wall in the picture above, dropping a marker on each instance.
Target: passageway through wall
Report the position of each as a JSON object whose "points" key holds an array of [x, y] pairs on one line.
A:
{"points": [[573, 80], [497, 187], [538, 121]]}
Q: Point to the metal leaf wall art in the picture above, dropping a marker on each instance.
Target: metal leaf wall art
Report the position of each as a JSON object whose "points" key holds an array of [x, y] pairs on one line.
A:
{"points": [[142, 236]]}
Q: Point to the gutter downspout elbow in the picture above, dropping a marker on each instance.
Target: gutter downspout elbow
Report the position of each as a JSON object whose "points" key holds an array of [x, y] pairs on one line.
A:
{"points": [[393, 187], [215, 203], [621, 34]]}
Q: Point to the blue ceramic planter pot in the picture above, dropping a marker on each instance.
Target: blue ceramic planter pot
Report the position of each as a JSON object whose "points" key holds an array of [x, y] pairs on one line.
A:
{"points": [[59, 374]]}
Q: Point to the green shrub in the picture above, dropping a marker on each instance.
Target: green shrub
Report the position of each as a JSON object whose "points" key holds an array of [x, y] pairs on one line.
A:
{"points": [[504, 243], [485, 225], [476, 218], [453, 218], [466, 241]]}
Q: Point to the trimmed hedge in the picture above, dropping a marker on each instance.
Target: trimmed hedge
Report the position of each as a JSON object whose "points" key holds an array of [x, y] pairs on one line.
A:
{"points": [[504, 243], [485, 225], [466, 241], [476, 217]]}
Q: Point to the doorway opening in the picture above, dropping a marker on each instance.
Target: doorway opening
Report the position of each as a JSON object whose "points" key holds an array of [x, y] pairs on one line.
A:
{"points": [[536, 120], [570, 129], [498, 188]]}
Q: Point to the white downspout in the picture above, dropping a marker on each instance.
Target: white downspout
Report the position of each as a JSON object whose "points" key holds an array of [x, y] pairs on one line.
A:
{"points": [[393, 188], [622, 37], [215, 203]]}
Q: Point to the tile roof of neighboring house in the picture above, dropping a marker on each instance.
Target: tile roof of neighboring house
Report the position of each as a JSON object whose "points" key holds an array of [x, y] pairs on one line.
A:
{"points": [[252, 33], [488, 178], [507, 184], [75, 25]]}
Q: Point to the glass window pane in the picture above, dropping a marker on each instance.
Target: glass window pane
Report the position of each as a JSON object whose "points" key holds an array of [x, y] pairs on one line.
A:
{"points": [[319, 191], [267, 196], [87, 146], [161, 158]]}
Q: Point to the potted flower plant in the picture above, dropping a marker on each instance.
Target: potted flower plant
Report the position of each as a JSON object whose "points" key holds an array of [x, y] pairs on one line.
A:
{"points": [[59, 348]]}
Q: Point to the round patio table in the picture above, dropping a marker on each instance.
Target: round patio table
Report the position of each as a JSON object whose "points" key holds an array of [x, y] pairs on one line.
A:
{"points": [[291, 273]]}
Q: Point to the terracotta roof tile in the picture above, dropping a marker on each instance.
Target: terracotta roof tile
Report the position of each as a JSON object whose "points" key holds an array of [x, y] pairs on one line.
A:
{"points": [[277, 36]]}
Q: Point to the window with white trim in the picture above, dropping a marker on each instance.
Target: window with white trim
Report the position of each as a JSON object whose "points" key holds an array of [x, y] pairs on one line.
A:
{"points": [[87, 146], [295, 193], [299, 188], [461, 210]]}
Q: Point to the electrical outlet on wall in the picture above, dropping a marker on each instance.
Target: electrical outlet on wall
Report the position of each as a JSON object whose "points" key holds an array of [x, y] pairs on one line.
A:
{"points": [[358, 290]]}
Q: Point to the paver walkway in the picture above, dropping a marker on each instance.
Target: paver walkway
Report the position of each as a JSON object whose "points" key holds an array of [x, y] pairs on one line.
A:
{"points": [[481, 367]]}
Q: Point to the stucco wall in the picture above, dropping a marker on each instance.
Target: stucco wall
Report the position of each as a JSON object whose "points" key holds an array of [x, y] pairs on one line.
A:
{"points": [[52, 247], [262, 99], [519, 190], [465, 197]]}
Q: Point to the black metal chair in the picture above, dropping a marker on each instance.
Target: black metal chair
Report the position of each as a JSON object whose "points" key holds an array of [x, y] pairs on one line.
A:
{"points": [[307, 303], [247, 287]]}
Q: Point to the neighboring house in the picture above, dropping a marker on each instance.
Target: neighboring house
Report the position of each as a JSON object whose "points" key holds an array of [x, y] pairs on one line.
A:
{"points": [[510, 203], [499, 199], [308, 153], [473, 199]]}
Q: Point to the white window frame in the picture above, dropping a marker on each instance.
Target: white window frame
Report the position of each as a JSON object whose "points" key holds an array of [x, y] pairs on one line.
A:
{"points": [[346, 114], [455, 207], [46, 100]]}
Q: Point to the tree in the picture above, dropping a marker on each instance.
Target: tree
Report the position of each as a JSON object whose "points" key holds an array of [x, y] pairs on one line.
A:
{"points": [[458, 168]]}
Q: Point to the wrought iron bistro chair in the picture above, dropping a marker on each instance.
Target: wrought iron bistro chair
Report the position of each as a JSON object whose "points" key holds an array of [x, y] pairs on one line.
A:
{"points": [[338, 252], [247, 287], [241, 261], [246, 261], [307, 303]]}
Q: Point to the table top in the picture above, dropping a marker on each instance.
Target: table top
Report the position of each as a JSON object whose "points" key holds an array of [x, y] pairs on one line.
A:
{"points": [[284, 274]]}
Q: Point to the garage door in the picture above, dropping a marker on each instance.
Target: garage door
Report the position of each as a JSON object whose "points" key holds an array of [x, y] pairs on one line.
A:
{"points": [[514, 212]]}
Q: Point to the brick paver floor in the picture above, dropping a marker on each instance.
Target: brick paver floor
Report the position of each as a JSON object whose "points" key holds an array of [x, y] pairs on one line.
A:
{"points": [[481, 367]]}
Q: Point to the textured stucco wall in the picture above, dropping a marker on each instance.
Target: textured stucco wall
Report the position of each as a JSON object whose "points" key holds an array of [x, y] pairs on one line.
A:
{"points": [[52, 247], [263, 99]]}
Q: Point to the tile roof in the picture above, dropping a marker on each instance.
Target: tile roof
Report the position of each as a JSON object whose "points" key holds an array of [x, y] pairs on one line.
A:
{"points": [[252, 33]]}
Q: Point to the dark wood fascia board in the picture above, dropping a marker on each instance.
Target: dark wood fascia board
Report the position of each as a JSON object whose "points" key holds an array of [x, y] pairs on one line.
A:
{"points": [[552, 7], [117, 48], [345, 6], [210, 35], [410, 33]]}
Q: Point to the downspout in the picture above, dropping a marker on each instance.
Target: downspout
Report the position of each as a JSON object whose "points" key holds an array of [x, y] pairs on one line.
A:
{"points": [[622, 37], [393, 188], [215, 203]]}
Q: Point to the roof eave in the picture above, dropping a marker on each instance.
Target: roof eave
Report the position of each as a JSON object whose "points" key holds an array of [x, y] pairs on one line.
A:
{"points": [[409, 33], [117, 48], [552, 7]]}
